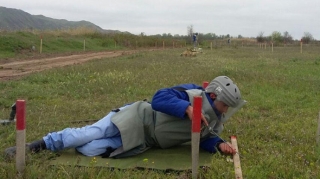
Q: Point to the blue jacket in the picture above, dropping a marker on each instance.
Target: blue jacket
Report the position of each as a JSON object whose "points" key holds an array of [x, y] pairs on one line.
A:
{"points": [[174, 102], [194, 38]]}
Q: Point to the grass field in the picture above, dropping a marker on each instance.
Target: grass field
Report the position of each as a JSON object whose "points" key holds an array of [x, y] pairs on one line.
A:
{"points": [[276, 130]]}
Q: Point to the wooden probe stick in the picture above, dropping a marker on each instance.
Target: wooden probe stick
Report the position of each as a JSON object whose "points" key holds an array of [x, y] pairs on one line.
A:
{"points": [[236, 158]]}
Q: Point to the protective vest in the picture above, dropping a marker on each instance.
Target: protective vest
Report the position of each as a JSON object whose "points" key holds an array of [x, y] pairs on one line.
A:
{"points": [[141, 127], [136, 126], [171, 131]]}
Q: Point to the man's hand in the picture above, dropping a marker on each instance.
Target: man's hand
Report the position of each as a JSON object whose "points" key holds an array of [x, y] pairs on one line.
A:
{"points": [[226, 148], [189, 112]]}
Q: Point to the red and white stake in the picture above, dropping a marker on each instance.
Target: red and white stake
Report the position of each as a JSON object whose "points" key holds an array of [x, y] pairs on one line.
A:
{"points": [[21, 135], [195, 136], [205, 84]]}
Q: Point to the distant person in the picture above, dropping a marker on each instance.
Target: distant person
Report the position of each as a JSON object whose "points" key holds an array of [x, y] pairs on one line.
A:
{"points": [[165, 122], [195, 40]]}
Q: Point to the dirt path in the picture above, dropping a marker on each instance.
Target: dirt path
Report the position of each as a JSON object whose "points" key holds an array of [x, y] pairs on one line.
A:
{"points": [[16, 69]]}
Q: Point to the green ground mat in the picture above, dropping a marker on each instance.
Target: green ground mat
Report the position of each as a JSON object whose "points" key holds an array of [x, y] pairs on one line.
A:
{"points": [[177, 158]]}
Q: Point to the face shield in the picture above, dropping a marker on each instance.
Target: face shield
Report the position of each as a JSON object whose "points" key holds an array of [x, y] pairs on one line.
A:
{"points": [[232, 110]]}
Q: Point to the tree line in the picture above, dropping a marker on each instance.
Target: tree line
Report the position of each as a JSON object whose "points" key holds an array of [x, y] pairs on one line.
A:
{"points": [[277, 37]]}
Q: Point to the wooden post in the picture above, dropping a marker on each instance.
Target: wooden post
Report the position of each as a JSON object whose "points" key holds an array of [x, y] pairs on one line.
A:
{"points": [[84, 45], [211, 45], [21, 136], [236, 158], [163, 44], [272, 47], [301, 46], [41, 45], [195, 136]]}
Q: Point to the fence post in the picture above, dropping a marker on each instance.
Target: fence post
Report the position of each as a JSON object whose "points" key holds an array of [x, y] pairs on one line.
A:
{"points": [[84, 45], [41, 45]]}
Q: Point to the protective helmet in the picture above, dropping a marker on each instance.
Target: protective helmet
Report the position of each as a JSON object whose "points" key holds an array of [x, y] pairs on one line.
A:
{"points": [[226, 90]]}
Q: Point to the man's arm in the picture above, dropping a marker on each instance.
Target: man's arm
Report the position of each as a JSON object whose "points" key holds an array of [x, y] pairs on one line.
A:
{"points": [[172, 101]]}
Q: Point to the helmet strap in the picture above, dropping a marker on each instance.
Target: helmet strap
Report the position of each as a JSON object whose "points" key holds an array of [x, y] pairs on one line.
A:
{"points": [[213, 96]]}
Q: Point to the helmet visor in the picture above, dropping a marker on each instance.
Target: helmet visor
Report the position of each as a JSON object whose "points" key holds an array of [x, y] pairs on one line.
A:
{"points": [[232, 110]]}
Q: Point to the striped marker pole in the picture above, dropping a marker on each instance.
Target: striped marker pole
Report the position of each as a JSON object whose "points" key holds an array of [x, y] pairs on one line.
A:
{"points": [[21, 135], [195, 136], [236, 158]]}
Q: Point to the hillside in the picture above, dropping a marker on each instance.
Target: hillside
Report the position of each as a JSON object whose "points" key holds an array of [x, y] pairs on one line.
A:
{"points": [[15, 19]]}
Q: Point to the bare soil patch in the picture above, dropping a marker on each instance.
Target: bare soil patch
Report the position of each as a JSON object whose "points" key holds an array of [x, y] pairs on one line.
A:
{"points": [[14, 69]]}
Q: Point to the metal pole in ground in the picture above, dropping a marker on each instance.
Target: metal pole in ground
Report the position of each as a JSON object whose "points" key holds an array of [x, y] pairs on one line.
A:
{"points": [[195, 136], [21, 136], [12, 116], [236, 158]]}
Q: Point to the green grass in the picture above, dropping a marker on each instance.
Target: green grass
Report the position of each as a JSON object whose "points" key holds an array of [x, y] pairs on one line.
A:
{"points": [[19, 44], [276, 130], [27, 44]]}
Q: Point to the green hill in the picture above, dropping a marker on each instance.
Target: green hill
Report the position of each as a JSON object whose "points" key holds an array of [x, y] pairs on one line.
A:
{"points": [[15, 19]]}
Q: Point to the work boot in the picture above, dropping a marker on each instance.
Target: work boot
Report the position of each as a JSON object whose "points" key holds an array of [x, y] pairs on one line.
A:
{"points": [[37, 146], [33, 147]]}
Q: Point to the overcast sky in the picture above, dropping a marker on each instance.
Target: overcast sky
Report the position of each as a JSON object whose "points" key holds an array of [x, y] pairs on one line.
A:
{"points": [[235, 17]]}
